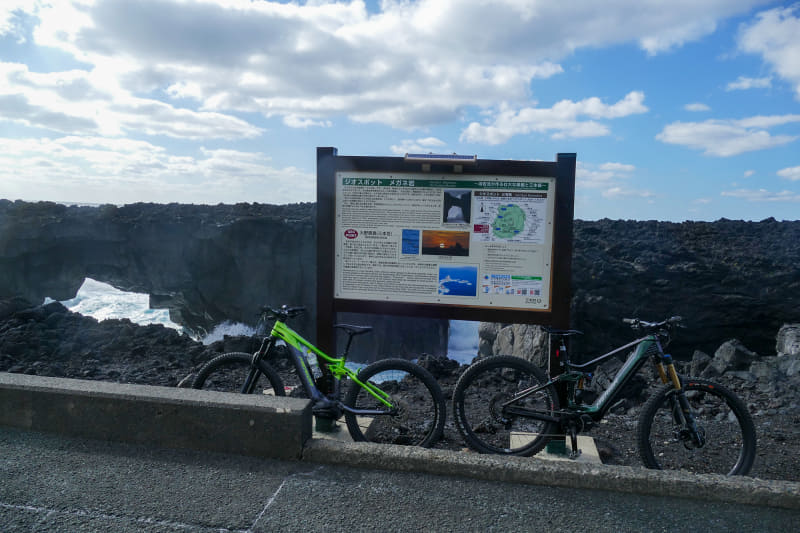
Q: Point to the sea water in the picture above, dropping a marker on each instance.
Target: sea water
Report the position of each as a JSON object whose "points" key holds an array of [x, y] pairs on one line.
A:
{"points": [[103, 301], [463, 341]]}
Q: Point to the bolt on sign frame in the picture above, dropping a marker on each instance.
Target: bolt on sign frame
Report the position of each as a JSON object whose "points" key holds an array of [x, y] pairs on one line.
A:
{"points": [[444, 236]]}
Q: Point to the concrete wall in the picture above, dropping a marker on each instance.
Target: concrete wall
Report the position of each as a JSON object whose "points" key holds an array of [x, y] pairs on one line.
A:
{"points": [[170, 417]]}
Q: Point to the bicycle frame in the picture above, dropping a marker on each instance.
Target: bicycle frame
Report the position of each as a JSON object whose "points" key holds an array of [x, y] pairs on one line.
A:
{"points": [[648, 346], [299, 351]]}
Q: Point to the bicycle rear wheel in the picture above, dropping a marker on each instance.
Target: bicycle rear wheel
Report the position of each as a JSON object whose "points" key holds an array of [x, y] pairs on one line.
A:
{"points": [[485, 424], [721, 417], [228, 372], [419, 409]]}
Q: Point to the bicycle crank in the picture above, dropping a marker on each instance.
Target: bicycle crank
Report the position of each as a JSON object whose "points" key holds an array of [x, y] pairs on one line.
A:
{"points": [[496, 409]]}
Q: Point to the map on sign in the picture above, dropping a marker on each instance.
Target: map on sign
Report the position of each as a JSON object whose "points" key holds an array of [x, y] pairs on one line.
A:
{"points": [[509, 217], [510, 221]]}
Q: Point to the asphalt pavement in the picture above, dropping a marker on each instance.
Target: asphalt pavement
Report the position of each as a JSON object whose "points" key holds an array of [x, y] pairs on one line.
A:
{"points": [[55, 483]]}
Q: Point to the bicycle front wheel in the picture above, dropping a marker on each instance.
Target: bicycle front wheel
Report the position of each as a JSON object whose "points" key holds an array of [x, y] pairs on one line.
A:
{"points": [[722, 420], [417, 415], [488, 423], [228, 373]]}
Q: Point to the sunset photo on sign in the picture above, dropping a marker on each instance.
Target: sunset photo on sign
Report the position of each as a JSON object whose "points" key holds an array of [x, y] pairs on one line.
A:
{"points": [[445, 243]]}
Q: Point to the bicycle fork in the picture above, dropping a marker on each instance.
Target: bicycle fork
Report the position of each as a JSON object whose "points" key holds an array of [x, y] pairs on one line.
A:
{"points": [[252, 376], [691, 435]]}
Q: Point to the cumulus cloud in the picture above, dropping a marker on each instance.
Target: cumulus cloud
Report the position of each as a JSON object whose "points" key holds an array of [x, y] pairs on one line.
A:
{"points": [[417, 146], [696, 107], [611, 180], [77, 102], [724, 138], [743, 83], [565, 119], [791, 173], [10, 11], [313, 62], [774, 36], [105, 169], [763, 195]]}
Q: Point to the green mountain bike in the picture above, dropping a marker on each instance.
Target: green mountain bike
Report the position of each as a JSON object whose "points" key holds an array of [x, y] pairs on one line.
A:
{"points": [[507, 405], [390, 401]]}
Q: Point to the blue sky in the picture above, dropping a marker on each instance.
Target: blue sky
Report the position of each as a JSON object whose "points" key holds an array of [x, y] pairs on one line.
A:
{"points": [[677, 110]]}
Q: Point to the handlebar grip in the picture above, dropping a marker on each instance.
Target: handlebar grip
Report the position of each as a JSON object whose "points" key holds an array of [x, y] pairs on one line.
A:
{"points": [[289, 312]]}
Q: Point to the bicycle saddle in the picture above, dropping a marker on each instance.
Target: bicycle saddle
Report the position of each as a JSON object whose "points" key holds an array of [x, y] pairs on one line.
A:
{"points": [[353, 330], [563, 332]]}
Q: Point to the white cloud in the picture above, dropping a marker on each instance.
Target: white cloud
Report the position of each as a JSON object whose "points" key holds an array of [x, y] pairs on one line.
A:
{"points": [[744, 83], [106, 169], [76, 102], [774, 37], [725, 138], [696, 107], [562, 120], [317, 61], [748, 173], [791, 173], [10, 11], [620, 192], [611, 179], [295, 121], [417, 146], [617, 167], [763, 195]]}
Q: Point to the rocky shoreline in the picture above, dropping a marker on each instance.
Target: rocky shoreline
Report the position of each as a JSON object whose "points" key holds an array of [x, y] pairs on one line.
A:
{"points": [[210, 264], [49, 340]]}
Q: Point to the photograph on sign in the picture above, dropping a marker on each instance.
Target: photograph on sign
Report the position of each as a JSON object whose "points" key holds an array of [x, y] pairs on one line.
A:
{"points": [[470, 241]]}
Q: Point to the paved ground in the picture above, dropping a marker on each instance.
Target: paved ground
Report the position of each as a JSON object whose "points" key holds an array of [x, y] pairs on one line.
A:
{"points": [[54, 483]]}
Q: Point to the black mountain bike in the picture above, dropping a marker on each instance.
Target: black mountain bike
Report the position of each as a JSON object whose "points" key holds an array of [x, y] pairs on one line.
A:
{"points": [[507, 405], [390, 401]]}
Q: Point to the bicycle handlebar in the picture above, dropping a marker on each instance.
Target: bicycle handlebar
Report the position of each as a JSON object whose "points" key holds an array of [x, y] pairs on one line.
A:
{"points": [[636, 323], [284, 312]]}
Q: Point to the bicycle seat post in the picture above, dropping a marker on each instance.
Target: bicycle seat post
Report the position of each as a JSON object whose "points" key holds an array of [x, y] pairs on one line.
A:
{"points": [[351, 331], [562, 355], [350, 336]]}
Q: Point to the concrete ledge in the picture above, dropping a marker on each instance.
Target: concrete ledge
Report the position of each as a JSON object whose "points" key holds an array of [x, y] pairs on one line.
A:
{"points": [[734, 489], [258, 425]]}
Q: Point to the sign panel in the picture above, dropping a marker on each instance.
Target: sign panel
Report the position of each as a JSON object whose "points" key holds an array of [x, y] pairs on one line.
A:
{"points": [[483, 241]]}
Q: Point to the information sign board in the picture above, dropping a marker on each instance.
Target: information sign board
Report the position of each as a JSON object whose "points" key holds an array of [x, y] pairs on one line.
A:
{"points": [[468, 241], [451, 237]]}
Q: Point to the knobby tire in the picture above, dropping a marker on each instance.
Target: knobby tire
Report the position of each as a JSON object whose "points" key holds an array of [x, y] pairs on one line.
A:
{"points": [[228, 372], [420, 418], [730, 435], [478, 412]]}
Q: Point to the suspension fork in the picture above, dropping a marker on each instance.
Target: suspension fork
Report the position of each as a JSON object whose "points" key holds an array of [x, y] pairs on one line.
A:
{"points": [[255, 372], [681, 410]]}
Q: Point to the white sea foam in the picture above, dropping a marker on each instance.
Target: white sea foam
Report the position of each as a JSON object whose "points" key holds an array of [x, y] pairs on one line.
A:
{"points": [[103, 301], [228, 328]]}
